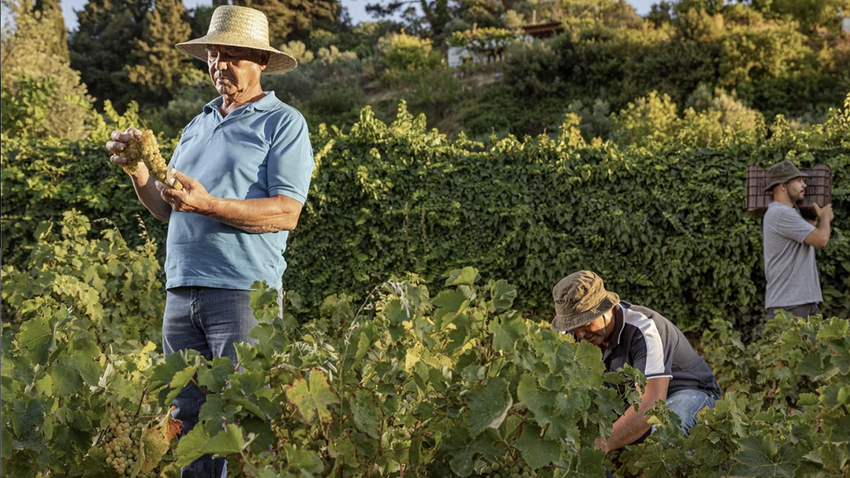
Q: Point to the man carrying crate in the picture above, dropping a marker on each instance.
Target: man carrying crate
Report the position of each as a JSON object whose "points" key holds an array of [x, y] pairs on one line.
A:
{"points": [[789, 244]]}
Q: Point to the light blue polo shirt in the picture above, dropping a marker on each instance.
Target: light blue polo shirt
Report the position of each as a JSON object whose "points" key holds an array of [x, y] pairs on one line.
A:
{"points": [[260, 150]]}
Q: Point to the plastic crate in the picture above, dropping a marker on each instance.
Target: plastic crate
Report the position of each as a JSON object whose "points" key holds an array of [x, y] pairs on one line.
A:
{"points": [[818, 190]]}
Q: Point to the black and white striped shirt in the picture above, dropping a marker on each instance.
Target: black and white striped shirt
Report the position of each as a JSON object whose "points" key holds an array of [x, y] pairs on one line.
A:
{"points": [[650, 343]]}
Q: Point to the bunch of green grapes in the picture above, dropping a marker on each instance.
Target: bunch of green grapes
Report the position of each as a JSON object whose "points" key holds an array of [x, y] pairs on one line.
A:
{"points": [[507, 466], [122, 441], [146, 150]]}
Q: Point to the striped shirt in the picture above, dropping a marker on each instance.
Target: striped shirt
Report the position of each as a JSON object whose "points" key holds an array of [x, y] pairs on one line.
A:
{"points": [[650, 343]]}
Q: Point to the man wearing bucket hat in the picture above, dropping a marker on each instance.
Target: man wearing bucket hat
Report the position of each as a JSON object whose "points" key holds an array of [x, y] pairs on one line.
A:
{"points": [[245, 163], [640, 337], [792, 277]]}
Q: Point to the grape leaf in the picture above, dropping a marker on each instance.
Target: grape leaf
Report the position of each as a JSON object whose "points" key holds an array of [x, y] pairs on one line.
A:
{"points": [[463, 449], [488, 406], [190, 445], [312, 399], [367, 413], [506, 330], [503, 295], [38, 338], [536, 451], [214, 377], [759, 457], [465, 276]]}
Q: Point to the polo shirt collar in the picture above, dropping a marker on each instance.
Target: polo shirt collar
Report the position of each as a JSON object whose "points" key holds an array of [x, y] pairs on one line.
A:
{"points": [[266, 103], [619, 323]]}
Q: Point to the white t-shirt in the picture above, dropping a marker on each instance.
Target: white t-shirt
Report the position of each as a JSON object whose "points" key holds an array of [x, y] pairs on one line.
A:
{"points": [[789, 263]]}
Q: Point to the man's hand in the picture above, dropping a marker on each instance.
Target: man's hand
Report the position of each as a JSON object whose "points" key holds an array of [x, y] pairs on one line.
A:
{"points": [[601, 444], [119, 144], [192, 198], [825, 213]]}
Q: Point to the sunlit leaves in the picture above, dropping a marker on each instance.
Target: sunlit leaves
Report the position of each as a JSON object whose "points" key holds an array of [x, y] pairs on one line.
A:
{"points": [[312, 397]]}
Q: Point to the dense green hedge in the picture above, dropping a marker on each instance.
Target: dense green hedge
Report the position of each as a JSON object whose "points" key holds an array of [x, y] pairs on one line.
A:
{"points": [[665, 227]]}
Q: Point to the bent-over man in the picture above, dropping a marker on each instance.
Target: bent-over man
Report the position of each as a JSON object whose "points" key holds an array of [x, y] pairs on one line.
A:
{"points": [[245, 163], [642, 338], [792, 277]]}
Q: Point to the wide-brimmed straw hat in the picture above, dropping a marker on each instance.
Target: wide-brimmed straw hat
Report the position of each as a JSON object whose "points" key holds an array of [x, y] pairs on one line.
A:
{"points": [[781, 173], [579, 299], [243, 27]]}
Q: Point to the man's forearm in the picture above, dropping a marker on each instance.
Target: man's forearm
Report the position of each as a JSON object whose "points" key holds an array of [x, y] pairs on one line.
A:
{"points": [[259, 215], [825, 230], [629, 427], [150, 197]]}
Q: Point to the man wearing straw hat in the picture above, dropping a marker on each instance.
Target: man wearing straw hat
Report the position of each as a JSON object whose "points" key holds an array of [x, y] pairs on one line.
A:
{"points": [[793, 283], [245, 163], [640, 337]]}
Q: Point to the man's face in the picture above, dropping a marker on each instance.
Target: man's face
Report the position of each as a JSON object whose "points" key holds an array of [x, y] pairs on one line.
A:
{"points": [[796, 189], [235, 69], [595, 331]]}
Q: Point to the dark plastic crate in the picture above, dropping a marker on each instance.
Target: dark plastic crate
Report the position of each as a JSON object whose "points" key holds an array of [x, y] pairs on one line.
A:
{"points": [[818, 190]]}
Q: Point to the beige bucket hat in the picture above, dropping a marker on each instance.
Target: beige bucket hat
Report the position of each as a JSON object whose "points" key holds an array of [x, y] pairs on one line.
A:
{"points": [[579, 299], [239, 26]]}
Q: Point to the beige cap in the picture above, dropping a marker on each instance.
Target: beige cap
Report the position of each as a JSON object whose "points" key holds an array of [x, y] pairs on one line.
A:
{"points": [[580, 298]]}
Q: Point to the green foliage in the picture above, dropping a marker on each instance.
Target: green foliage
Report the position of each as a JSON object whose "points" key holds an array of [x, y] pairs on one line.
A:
{"points": [[43, 178], [100, 47], [160, 66], [299, 51], [658, 224], [26, 110], [403, 52], [769, 63], [777, 390], [389, 197], [457, 384], [36, 75], [109, 285], [295, 20], [60, 379]]}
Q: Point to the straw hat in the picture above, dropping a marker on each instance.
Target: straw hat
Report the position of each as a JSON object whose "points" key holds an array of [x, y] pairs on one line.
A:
{"points": [[579, 299], [243, 27]]}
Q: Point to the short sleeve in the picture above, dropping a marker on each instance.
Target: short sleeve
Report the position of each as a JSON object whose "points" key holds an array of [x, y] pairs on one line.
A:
{"points": [[647, 352], [290, 164], [791, 225]]}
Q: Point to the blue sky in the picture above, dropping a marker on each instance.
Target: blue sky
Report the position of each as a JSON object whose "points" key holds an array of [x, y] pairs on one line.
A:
{"points": [[357, 8]]}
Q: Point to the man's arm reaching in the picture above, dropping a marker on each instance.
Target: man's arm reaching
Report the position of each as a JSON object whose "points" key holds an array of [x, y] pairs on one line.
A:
{"points": [[633, 424]]}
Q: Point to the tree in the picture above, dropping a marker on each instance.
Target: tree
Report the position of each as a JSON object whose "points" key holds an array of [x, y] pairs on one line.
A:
{"points": [[294, 19], [54, 22], [161, 66], [436, 13], [109, 31], [42, 95], [810, 13]]}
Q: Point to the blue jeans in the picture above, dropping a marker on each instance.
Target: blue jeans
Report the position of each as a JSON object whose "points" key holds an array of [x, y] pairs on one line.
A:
{"points": [[209, 321], [686, 404]]}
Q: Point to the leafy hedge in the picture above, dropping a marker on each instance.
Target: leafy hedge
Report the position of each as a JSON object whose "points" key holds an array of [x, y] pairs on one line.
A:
{"points": [[664, 225], [403, 383]]}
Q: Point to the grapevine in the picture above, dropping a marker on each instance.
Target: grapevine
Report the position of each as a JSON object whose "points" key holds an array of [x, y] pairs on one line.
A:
{"points": [[145, 149]]}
